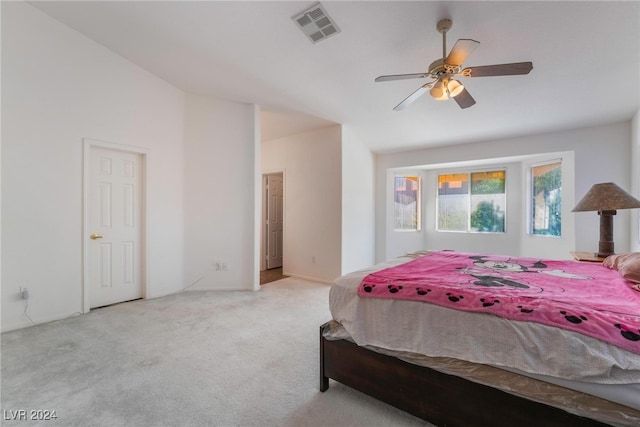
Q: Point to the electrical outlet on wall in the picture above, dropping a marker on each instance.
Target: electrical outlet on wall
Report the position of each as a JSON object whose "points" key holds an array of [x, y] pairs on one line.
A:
{"points": [[24, 293], [220, 265]]}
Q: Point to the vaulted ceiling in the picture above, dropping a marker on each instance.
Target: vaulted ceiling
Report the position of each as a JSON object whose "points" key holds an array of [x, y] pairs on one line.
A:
{"points": [[585, 54]]}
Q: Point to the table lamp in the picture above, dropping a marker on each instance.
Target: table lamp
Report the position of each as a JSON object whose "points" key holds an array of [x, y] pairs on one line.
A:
{"points": [[606, 198]]}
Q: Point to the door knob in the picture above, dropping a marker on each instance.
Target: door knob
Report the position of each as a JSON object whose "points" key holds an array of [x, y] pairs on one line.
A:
{"points": [[95, 236]]}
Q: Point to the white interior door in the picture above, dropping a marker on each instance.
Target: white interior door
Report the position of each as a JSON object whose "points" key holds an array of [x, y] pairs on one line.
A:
{"points": [[275, 204], [114, 227]]}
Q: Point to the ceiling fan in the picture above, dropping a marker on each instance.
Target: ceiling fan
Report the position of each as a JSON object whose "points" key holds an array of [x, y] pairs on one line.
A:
{"points": [[445, 69]]}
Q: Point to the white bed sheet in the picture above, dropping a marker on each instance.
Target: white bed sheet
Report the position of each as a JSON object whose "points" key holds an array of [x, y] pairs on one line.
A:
{"points": [[565, 358]]}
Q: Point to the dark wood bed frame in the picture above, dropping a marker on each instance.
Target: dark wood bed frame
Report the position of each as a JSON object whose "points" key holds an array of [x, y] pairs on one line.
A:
{"points": [[442, 399]]}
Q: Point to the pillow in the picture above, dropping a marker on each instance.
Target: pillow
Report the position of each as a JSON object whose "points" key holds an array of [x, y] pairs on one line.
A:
{"points": [[627, 264]]}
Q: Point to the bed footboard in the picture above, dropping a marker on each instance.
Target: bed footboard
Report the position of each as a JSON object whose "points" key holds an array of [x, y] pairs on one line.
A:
{"points": [[436, 397]]}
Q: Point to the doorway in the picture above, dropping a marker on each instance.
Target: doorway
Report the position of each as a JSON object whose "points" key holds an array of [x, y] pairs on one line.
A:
{"points": [[273, 225], [114, 224]]}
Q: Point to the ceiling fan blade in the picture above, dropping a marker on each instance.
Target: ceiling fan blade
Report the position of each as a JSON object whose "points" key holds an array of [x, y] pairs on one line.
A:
{"points": [[498, 70], [415, 95], [461, 50], [401, 77], [464, 99]]}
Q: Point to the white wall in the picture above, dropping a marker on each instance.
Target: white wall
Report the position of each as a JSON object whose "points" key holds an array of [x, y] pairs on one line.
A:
{"points": [[358, 244], [601, 154], [312, 166], [59, 87], [219, 195], [635, 181]]}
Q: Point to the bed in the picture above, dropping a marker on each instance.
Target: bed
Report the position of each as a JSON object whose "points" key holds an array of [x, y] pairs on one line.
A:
{"points": [[456, 367]]}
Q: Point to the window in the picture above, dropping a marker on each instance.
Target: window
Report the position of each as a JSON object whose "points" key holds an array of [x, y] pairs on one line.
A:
{"points": [[546, 199], [472, 201], [453, 202], [406, 196]]}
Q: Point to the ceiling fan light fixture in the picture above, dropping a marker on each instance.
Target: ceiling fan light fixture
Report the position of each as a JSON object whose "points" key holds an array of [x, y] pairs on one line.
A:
{"points": [[454, 87], [438, 93], [442, 71]]}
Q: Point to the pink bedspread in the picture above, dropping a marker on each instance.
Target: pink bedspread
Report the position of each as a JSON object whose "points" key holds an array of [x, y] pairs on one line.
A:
{"points": [[583, 297]]}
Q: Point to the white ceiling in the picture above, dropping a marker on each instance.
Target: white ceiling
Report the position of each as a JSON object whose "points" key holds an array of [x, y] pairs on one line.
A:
{"points": [[585, 54]]}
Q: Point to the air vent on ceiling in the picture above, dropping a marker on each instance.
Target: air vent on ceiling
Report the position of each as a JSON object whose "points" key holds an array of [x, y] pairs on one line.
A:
{"points": [[316, 24]]}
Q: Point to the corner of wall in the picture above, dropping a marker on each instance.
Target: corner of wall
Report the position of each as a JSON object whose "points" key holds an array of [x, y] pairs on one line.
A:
{"points": [[219, 194], [257, 198], [635, 180], [358, 209]]}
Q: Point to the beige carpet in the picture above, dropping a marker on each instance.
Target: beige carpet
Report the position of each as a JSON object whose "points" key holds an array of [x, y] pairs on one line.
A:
{"points": [[190, 359]]}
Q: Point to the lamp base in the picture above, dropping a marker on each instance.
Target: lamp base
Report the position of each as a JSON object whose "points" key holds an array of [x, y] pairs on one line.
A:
{"points": [[605, 246]]}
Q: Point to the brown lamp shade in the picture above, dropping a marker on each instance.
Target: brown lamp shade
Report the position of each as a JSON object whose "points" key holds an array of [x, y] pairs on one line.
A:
{"points": [[606, 197]]}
